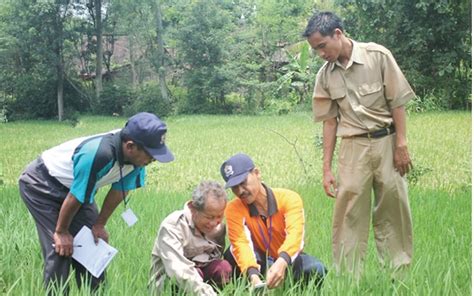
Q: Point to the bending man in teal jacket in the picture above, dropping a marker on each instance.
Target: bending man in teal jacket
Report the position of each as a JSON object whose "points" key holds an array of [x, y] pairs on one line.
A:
{"points": [[58, 188]]}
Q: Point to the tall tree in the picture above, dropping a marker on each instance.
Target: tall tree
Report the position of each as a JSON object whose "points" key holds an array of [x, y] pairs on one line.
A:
{"points": [[133, 67], [141, 22], [37, 35], [133, 19], [62, 9], [99, 49], [160, 54], [264, 29], [203, 37]]}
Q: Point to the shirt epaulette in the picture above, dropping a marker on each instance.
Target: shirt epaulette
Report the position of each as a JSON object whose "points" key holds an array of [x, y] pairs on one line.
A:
{"points": [[174, 218], [325, 67], [371, 46], [323, 71]]}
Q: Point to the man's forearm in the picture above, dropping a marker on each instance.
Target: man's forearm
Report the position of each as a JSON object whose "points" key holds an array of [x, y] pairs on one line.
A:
{"points": [[399, 120], [67, 212], [401, 156], [329, 142], [112, 200]]}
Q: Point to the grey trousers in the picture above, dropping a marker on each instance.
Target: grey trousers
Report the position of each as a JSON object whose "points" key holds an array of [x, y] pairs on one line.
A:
{"points": [[44, 196]]}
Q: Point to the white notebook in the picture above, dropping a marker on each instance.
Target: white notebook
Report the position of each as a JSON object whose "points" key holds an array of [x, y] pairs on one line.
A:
{"points": [[94, 258]]}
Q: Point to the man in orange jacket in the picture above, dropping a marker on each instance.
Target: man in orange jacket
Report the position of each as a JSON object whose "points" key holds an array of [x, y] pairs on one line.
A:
{"points": [[266, 228]]}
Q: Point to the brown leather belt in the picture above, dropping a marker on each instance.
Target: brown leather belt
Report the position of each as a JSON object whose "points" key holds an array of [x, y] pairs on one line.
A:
{"points": [[378, 133]]}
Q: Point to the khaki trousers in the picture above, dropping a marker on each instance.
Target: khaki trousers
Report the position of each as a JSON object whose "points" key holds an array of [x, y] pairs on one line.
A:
{"points": [[366, 165]]}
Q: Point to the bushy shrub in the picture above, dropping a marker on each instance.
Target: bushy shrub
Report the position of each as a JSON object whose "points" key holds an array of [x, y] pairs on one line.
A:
{"points": [[425, 104], [251, 105], [235, 102], [148, 99], [113, 99], [29, 103], [181, 97], [6, 100], [282, 103], [280, 107], [178, 96]]}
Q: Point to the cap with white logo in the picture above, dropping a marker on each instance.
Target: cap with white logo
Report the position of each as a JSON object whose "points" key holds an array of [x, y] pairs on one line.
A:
{"points": [[236, 169]]}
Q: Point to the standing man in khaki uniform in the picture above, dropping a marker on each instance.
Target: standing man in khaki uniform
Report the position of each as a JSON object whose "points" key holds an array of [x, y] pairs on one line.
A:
{"points": [[359, 95]]}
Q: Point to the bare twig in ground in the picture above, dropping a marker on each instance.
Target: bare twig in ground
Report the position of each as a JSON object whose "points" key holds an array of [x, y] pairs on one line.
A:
{"points": [[294, 148]]}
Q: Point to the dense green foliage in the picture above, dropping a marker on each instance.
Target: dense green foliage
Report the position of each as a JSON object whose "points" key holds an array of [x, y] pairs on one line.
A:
{"points": [[203, 37], [32, 40], [440, 198], [216, 56], [430, 39]]}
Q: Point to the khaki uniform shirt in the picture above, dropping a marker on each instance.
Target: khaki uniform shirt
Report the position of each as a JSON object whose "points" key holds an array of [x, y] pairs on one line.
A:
{"points": [[180, 248], [362, 94]]}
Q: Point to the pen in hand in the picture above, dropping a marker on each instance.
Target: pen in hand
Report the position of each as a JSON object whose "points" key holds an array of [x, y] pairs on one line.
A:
{"points": [[74, 246]]}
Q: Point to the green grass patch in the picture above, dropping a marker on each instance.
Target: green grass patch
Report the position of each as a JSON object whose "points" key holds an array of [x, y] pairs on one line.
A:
{"points": [[286, 150]]}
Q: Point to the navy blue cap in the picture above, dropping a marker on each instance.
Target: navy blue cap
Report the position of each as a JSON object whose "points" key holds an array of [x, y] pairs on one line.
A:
{"points": [[236, 169], [147, 130]]}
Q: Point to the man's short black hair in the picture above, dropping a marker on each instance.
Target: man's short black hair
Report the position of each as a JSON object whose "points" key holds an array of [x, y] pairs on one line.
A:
{"points": [[324, 22], [126, 138]]}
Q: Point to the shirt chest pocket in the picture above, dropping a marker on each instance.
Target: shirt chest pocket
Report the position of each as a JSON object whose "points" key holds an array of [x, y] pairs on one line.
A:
{"points": [[337, 92], [371, 94]]}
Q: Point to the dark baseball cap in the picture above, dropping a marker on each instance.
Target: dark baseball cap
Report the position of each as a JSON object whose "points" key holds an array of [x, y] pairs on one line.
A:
{"points": [[236, 169], [147, 130]]}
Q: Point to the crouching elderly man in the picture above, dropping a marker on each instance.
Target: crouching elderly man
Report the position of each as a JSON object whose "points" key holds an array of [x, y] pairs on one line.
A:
{"points": [[189, 245]]}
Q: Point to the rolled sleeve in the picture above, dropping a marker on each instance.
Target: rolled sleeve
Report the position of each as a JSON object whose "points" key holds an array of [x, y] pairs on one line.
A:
{"points": [[397, 89], [323, 106]]}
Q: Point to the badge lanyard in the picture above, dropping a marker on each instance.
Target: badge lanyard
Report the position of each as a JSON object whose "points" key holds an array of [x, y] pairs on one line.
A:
{"points": [[128, 216], [125, 200], [267, 244]]}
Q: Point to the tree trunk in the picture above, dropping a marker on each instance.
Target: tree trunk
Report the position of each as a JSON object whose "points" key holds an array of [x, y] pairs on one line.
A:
{"points": [[161, 53], [132, 62], [59, 64], [60, 89], [98, 31]]}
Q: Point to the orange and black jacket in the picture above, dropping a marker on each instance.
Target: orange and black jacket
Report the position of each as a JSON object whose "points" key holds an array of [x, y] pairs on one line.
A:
{"points": [[248, 230]]}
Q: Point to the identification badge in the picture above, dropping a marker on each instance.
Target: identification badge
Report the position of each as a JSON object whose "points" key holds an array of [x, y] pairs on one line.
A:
{"points": [[129, 217]]}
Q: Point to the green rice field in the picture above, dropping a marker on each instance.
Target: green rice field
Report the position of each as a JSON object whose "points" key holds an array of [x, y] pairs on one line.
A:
{"points": [[289, 153]]}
